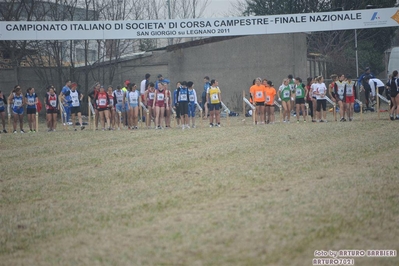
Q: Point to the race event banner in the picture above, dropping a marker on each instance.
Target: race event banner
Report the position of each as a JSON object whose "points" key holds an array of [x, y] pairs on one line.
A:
{"points": [[180, 28]]}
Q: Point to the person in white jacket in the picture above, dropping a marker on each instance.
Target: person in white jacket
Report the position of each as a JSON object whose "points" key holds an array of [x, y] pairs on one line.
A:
{"points": [[374, 85]]}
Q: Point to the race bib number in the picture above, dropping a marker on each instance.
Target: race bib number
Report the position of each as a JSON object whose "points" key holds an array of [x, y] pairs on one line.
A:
{"points": [[191, 98], [341, 91], [133, 99], [1, 103], [349, 91], [267, 98], [215, 97], [75, 101], [151, 96], [102, 102], [17, 102], [31, 101], [111, 101], [119, 97], [286, 94], [258, 95], [53, 103], [183, 97], [160, 97], [299, 92]]}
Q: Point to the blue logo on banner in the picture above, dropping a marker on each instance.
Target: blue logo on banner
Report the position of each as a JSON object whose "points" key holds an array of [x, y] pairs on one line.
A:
{"points": [[374, 17]]}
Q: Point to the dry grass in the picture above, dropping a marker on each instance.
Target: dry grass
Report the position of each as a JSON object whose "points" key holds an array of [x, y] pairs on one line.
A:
{"points": [[237, 195]]}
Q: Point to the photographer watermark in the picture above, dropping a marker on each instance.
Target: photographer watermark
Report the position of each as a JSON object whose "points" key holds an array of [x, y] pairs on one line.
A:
{"points": [[346, 257]]}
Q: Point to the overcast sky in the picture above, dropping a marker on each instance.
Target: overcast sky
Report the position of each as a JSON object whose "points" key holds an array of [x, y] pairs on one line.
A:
{"points": [[220, 8]]}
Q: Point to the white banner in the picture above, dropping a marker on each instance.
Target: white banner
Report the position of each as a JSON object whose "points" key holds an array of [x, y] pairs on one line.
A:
{"points": [[143, 29]]}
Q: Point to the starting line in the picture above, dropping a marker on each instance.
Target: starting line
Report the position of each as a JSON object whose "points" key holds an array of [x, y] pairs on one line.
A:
{"points": [[91, 110]]}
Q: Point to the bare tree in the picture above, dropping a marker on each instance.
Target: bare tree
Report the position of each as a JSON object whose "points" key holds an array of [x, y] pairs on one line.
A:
{"points": [[189, 9], [16, 51], [115, 49]]}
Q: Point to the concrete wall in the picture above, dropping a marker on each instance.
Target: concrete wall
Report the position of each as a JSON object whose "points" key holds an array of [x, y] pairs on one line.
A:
{"points": [[236, 62]]}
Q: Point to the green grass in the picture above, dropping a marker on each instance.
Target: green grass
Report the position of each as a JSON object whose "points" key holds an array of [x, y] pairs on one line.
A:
{"points": [[236, 195]]}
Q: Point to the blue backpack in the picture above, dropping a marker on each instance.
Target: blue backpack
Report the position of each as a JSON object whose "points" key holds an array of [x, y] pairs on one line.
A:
{"points": [[356, 108]]}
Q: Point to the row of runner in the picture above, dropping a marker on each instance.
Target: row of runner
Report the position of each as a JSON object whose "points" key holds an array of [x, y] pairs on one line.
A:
{"points": [[114, 108], [120, 107], [294, 95]]}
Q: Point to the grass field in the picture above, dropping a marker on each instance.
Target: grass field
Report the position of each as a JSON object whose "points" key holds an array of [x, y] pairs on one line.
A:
{"points": [[235, 195]]}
